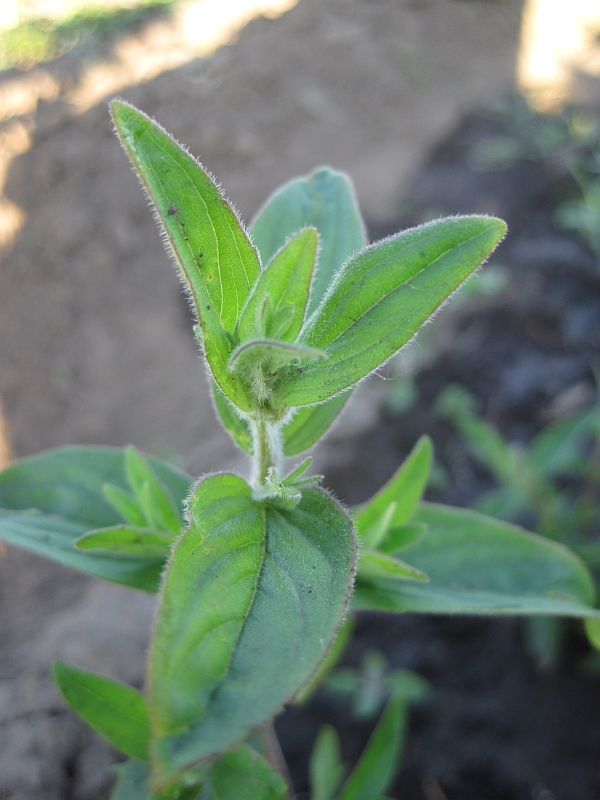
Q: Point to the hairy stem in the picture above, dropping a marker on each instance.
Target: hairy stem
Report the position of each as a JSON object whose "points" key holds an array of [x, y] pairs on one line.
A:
{"points": [[266, 450]]}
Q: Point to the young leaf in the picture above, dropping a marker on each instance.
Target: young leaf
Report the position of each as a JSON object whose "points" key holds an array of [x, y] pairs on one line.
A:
{"points": [[244, 580], [558, 447], [69, 482], [372, 537], [55, 537], [505, 502], [502, 459], [236, 426], [151, 494], [115, 710], [55, 498], [126, 505], [477, 565], [309, 424], [404, 489], [285, 282], [243, 774], [377, 765], [324, 200], [123, 539], [208, 243], [373, 564], [133, 783], [271, 355], [399, 537], [326, 768], [331, 659], [382, 296]]}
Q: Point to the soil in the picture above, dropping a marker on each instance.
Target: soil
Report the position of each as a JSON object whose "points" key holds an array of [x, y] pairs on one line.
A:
{"points": [[96, 347]]}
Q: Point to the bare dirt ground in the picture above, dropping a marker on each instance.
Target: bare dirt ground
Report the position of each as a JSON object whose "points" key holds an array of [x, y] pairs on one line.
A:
{"points": [[96, 344]]}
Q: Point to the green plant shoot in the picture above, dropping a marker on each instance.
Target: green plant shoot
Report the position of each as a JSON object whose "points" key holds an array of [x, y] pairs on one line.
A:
{"points": [[254, 579]]}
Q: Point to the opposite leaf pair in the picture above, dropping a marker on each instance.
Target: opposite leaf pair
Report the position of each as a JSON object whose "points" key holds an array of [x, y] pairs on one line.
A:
{"points": [[257, 584], [265, 355]]}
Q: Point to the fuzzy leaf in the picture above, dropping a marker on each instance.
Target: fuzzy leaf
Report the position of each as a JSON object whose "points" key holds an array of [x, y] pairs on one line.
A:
{"points": [[209, 245], [125, 504], [477, 565], [270, 354], [404, 489], [243, 774], [236, 426], [244, 580], [53, 499], [114, 710], [123, 539], [285, 283], [373, 564], [154, 500], [382, 296], [397, 538], [325, 199], [309, 424]]}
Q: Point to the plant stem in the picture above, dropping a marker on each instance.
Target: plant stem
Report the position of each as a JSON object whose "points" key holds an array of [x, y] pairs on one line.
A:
{"points": [[266, 449]]}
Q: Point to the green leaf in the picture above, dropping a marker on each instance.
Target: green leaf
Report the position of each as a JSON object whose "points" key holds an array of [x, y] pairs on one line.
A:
{"points": [[592, 631], [244, 580], [373, 564], [505, 502], [372, 537], [123, 539], [53, 499], [125, 504], [326, 768], [133, 783], [331, 659], [55, 537], [235, 425], [271, 355], [503, 460], [404, 489], [408, 685], [209, 245], [400, 537], [377, 765], [114, 710], [243, 774], [325, 199], [69, 482], [154, 500], [559, 447], [309, 424], [285, 283], [477, 565], [381, 298]]}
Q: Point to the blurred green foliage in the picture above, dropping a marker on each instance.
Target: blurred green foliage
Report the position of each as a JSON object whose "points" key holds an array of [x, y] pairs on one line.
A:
{"points": [[38, 40]]}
